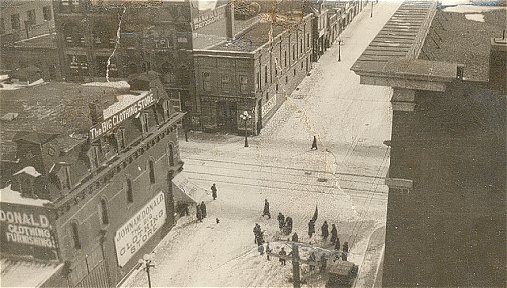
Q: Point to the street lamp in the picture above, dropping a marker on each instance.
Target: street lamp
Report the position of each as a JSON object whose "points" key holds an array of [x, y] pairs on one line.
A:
{"points": [[245, 116], [339, 49], [146, 261], [371, 13]]}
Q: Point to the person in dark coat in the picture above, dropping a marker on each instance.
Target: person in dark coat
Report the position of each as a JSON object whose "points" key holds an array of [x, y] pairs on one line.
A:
{"points": [[260, 238], [268, 250], [256, 231], [334, 234], [281, 220], [288, 225], [266, 209], [337, 244], [323, 263], [314, 143], [312, 259], [311, 228], [345, 251], [203, 210], [325, 231], [282, 253], [295, 237], [198, 212], [214, 191]]}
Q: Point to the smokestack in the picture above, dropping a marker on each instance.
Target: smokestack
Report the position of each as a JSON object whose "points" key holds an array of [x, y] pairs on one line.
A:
{"points": [[229, 20], [497, 64]]}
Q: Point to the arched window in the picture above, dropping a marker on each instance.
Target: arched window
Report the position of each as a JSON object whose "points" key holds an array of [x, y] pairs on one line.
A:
{"points": [[75, 235], [151, 166], [170, 154], [103, 212], [130, 193]]}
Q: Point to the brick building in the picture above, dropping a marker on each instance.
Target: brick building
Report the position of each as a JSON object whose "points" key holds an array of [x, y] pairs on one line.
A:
{"points": [[446, 212], [25, 19], [86, 180], [252, 73]]}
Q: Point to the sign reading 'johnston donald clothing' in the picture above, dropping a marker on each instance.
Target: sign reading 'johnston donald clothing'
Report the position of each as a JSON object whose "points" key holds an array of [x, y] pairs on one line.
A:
{"points": [[139, 229]]}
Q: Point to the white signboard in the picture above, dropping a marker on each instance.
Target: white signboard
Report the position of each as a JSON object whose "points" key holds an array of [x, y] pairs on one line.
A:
{"points": [[139, 229], [270, 104]]}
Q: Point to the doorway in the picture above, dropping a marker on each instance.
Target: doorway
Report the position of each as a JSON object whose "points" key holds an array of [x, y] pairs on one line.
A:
{"points": [[227, 116]]}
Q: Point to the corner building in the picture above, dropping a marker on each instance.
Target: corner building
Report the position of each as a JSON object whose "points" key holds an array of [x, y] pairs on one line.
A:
{"points": [[83, 194]]}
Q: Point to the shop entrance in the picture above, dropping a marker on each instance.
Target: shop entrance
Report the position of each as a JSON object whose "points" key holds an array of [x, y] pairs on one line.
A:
{"points": [[226, 116]]}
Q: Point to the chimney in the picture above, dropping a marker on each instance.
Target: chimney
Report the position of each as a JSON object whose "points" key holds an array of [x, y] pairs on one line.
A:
{"points": [[498, 63], [95, 112], [229, 20]]}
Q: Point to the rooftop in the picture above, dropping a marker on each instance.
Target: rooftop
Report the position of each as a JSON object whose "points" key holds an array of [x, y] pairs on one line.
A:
{"points": [[402, 34], [462, 35], [24, 273], [251, 39], [50, 108]]}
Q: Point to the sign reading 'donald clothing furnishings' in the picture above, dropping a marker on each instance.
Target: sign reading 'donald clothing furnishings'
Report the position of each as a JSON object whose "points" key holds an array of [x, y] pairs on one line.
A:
{"points": [[139, 229], [27, 231]]}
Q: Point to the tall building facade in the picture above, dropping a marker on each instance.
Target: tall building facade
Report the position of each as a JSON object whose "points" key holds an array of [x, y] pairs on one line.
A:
{"points": [[86, 180], [446, 211]]}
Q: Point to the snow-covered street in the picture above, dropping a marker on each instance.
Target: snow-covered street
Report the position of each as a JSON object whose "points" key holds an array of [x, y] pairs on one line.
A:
{"points": [[344, 178]]}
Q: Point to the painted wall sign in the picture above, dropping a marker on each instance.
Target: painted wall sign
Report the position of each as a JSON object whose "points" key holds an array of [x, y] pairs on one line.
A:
{"points": [[139, 229], [268, 106], [206, 19], [115, 119], [27, 230]]}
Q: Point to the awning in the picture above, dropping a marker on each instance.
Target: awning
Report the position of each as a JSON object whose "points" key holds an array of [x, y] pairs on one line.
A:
{"points": [[188, 192]]}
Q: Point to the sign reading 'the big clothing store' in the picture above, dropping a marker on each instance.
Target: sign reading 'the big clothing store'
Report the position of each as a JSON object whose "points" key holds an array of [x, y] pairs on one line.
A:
{"points": [[139, 229]]}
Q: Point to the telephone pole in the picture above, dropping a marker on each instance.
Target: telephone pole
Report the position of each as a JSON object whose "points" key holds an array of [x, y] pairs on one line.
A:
{"points": [[296, 281]]}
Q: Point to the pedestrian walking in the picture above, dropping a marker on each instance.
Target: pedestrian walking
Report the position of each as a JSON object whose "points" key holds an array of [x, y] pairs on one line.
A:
{"points": [[260, 248], [282, 255], [337, 244], [260, 238], [214, 191], [288, 225], [198, 212], [325, 231], [268, 250], [311, 228], [323, 263], [256, 231], [334, 234], [266, 209], [281, 220], [345, 251], [314, 144], [295, 237], [312, 259], [203, 210]]}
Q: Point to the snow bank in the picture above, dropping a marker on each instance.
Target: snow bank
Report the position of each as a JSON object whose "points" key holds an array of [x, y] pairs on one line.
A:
{"points": [[7, 195], [30, 170]]}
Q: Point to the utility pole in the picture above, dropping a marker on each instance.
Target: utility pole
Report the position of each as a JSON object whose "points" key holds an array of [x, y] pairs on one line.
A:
{"points": [[296, 281], [371, 13], [146, 261]]}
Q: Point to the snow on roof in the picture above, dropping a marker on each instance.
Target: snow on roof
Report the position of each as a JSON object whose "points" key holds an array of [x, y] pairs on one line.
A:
{"points": [[30, 170], [113, 84], [22, 273], [7, 195], [19, 85], [124, 101]]}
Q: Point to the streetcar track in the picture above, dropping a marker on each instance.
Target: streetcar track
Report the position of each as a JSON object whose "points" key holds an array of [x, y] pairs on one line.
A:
{"points": [[380, 196], [278, 173], [287, 168]]}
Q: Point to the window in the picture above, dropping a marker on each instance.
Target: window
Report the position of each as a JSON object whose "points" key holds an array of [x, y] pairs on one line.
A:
{"points": [[46, 12], [302, 65], [286, 79], [144, 122], [265, 74], [67, 181], [96, 160], [226, 81], [267, 96], [30, 16], [276, 87], [307, 40], [130, 193], [171, 155], [120, 138], [15, 21], [151, 167], [293, 51], [75, 235], [285, 59], [259, 80], [206, 81], [294, 71], [103, 212], [301, 45], [243, 81]]}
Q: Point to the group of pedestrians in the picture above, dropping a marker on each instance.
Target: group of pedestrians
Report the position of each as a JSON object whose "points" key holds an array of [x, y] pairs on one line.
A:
{"points": [[201, 211], [284, 223]]}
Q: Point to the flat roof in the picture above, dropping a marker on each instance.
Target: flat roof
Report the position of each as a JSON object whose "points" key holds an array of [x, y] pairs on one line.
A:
{"points": [[25, 273], [402, 34], [456, 36], [251, 39]]}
